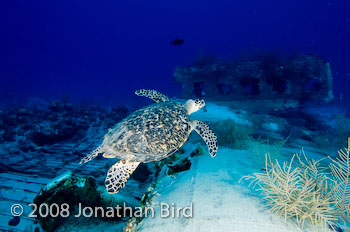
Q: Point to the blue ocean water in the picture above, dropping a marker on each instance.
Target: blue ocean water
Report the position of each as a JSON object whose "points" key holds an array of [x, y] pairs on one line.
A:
{"points": [[274, 76], [103, 51]]}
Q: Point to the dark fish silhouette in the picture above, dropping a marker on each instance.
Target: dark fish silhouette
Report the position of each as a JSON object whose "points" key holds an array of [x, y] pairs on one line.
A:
{"points": [[14, 221], [177, 41]]}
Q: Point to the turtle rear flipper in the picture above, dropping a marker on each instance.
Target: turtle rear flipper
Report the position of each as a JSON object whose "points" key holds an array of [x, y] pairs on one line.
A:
{"points": [[92, 155], [152, 94], [118, 175], [207, 135]]}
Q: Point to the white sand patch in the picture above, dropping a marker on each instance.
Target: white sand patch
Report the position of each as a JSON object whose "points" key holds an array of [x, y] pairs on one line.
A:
{"points": [[219, 202], [271, 126], [216, 113]]}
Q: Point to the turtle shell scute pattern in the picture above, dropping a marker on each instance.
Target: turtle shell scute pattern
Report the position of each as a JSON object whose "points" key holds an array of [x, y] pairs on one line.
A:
{"points": [[151, 133]]}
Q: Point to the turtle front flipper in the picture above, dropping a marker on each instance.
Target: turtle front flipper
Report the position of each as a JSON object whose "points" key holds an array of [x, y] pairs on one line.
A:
{"points": [[152, 94], [118, 174], [207, 135], [92, 155]]}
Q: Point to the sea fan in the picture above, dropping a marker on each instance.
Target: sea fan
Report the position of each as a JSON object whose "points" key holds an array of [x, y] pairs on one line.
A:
{"points": [[341, 173], [319, 206], [302, 192], [306, 191]]}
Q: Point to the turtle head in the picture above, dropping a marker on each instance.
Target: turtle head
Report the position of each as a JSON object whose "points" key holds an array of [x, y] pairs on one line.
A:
{"points": [[194, 105]]}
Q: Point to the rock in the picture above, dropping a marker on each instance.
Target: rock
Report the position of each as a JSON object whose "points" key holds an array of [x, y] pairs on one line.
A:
{"points": [[184, 165], [67, 189], [14, 221]]}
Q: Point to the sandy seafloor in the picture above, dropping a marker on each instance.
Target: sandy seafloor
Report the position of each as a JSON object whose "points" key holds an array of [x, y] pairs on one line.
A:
{"points": [[219, 202]]}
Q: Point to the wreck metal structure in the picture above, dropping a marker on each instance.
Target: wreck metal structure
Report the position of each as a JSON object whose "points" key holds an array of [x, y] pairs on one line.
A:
{"points": [[278, 81]]}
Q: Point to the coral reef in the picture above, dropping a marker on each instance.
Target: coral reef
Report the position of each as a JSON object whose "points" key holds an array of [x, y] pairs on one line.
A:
{"points": [[130, 225], [305, 191], [231, 134], [61, 131], [338, 127], [60, 122], [307, 181], [48, 140]]}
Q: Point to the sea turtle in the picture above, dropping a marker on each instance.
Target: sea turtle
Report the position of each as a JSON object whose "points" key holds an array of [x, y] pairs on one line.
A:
{"points": [[150, 134]]}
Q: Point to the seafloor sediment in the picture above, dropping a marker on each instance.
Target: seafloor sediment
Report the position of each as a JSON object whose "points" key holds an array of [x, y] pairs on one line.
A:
{"points": [[37, 146]]}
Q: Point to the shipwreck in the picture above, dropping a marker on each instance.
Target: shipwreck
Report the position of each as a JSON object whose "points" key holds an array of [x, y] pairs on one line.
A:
{"points": [[270, 80]]}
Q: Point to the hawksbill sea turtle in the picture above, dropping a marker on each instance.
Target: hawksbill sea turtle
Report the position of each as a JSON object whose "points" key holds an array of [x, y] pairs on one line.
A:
{"points": [[150, 134]]}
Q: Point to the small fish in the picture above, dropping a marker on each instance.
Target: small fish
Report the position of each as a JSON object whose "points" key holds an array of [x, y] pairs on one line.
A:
{"points": [[177, 41]]}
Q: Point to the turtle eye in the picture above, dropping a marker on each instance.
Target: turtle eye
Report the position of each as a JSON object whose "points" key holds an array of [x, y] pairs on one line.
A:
{"points": [[199, 102]]}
